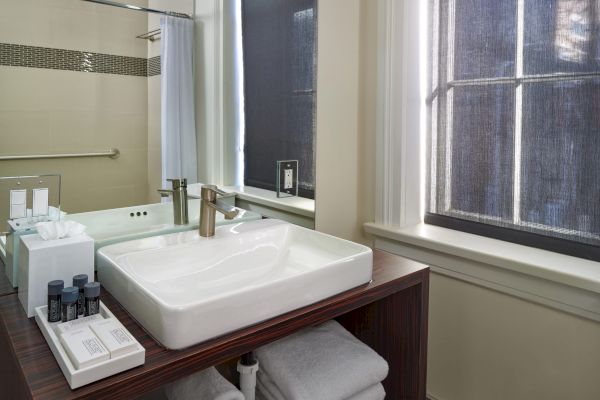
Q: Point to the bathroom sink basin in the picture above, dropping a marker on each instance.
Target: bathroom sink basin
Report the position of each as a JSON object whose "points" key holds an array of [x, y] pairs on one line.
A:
{"points": [[185, 289]]}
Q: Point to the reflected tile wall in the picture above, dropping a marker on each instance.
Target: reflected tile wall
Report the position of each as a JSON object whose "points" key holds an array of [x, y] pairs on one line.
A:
{"points": [[154, 66], [17, 55]]}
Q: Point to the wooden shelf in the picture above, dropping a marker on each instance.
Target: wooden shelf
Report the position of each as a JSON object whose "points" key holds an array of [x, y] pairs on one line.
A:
{"points": [[5, 285], [389, 314]]}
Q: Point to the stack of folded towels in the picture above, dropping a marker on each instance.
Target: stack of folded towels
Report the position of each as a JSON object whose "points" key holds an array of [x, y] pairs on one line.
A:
{"points": [[203, 385], [320, 363]]}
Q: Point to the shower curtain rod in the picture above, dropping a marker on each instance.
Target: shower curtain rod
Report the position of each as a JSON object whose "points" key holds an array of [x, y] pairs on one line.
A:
{"points": [[138, 8]]}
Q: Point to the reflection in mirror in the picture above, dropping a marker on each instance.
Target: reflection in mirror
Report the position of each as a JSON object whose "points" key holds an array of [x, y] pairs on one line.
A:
{"points": [[81, 99], [76, 80], [116, 100], [279, 64]]}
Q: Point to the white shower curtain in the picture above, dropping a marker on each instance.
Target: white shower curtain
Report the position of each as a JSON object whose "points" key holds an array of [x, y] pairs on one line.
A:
{"points": [[178, 127]]}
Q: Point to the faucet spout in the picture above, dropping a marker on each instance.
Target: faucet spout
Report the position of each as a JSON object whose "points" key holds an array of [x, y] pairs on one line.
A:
{"points": [[164, 192], [209, 207], [228, 211], [179, 193]]}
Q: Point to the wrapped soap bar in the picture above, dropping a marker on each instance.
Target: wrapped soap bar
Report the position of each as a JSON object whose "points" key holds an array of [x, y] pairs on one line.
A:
{"points": [[77, 323], [84, 348], [114, 336]]}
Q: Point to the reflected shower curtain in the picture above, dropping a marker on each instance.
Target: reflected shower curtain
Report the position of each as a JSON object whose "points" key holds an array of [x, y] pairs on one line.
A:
{"points": [[178, 127]]}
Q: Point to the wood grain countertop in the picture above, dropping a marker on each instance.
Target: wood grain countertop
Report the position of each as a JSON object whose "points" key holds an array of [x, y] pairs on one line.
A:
{"points": [[28, 368]]}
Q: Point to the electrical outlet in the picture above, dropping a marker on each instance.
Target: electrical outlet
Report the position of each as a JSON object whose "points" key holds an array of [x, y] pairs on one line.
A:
{"points": [[288, 180]]}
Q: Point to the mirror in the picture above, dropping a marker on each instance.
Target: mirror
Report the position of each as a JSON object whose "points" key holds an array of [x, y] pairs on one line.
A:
{"points": [[76, 80], [80, 97]]}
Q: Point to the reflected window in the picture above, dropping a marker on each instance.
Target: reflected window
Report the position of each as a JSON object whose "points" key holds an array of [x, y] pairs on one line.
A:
{"points": [[515, 127], [561, 36], [279, 43]]}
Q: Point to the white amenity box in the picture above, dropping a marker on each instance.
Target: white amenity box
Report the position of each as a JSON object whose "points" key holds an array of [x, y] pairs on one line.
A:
{"points": [[42, 261], [80, 377]]}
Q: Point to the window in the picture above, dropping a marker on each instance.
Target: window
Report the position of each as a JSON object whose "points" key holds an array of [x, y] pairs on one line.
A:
{"points": [[279, 42], [514, 121]]}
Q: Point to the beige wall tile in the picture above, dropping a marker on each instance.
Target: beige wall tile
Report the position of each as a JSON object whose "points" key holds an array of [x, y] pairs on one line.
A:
{"points": [[74, 25], [22, 89], [121, 94], [49, 111], [72, 131], [24, 132]]}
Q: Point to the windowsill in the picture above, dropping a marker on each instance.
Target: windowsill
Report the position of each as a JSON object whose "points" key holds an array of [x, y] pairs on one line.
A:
{"points": [[294, 205], [267, 198], [568, 283]]}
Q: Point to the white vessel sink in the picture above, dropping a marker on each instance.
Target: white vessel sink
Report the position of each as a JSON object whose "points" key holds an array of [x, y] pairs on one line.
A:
{"points": [[185, 289]]}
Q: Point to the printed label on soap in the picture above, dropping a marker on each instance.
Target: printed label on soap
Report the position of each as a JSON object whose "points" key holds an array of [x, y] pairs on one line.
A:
{"points": [[93, 346], [120, 336]]}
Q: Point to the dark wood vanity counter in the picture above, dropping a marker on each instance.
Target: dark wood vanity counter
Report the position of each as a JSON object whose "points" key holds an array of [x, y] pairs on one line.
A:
{"points": [[5, 285], [389, 314]]}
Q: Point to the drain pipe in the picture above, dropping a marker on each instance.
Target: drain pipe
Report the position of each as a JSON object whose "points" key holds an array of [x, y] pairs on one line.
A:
{"points": [[247, 367]]}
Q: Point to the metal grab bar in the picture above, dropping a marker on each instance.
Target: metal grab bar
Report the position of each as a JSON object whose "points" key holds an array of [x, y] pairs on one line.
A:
{"points": [[112, 153]]}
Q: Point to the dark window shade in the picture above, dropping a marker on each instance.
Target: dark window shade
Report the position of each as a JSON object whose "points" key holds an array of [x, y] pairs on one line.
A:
{"points": [[514, 111], [279, 43]]}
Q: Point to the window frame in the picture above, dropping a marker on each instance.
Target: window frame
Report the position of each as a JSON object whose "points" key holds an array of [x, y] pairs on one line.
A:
{"points": [[557, 281], [442, 93]]}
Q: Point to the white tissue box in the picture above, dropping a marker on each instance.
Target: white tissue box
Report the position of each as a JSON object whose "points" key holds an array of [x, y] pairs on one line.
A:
{"points": [[42, 261]]}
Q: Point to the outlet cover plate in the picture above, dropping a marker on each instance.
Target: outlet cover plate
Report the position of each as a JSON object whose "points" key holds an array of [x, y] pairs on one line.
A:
{"points": [[287, 178]]}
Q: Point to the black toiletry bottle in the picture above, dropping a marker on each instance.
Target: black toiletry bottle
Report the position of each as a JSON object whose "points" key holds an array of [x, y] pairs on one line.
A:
{"points": [[69, 303], [79, 281], [54, 294], [92, 298]]}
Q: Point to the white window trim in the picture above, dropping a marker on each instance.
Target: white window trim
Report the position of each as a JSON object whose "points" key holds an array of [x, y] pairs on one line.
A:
{"points": [[559, 281], [219, 119], [398, 177], [555, 280]]}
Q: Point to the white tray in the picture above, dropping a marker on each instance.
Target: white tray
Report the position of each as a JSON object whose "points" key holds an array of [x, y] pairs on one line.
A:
{"points": [[81, 377]]}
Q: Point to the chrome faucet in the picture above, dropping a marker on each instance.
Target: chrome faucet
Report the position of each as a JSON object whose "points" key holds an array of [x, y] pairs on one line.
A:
{"points": [[180, 204], [209, 207]]}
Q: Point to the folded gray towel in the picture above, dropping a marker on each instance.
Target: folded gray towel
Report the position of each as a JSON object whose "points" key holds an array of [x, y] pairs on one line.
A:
{"points": [[322, 362], [375, 392], [267, 390], [203, 385]]}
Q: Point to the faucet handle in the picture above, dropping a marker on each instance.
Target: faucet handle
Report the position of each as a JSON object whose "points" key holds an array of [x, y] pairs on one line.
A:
{"points": [[178, 183], [213, 188]]}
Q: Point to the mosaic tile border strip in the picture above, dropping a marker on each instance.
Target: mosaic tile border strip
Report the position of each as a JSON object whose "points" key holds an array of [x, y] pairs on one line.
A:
{"points": [[17, 55], [154, 66]]}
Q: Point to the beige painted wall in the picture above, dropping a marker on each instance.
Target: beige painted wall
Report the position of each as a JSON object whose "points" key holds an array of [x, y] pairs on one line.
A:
{"points": [[346, 117], [482, 344], [52, 111], [337, 137], [487, 345]]}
